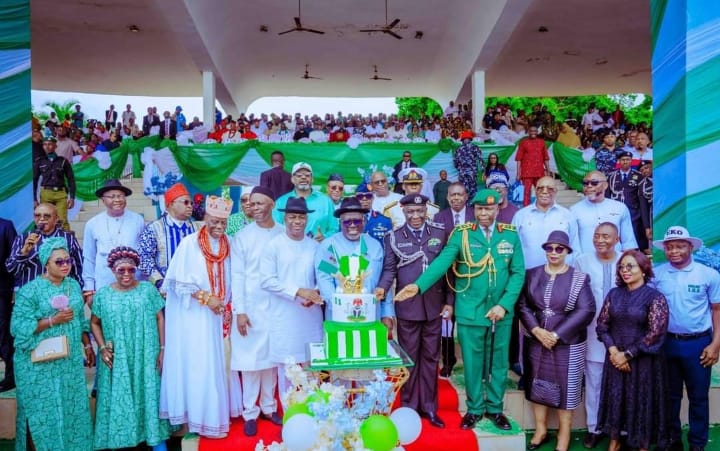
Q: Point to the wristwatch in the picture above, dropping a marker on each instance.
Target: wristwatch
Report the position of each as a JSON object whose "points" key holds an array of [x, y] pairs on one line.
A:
{"points": [[555, 335]]}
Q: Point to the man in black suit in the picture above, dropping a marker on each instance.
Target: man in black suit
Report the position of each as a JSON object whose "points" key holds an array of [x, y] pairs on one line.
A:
{"points": [[409, 249], [110, 118], [168, 127], [406, 162], [451, 217], [277, 179], [7, 236], [149, 120]]}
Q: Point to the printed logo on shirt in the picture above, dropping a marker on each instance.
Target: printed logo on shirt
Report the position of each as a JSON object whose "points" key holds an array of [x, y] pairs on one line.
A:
{"points": [[694, 288]]}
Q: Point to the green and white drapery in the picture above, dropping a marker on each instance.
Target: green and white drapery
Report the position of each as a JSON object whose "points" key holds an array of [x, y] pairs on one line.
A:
{"points": [[15, 161]]}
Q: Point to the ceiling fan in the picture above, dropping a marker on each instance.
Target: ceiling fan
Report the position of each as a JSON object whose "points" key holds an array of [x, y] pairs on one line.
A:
{"points": [[387, 29], [376, 78], [307, 76], [298, 25]]}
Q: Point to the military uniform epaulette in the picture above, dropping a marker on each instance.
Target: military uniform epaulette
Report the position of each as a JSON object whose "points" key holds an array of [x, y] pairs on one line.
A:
{"points": [[437, 225], [501, 227], [464, 226], [430, 204]]}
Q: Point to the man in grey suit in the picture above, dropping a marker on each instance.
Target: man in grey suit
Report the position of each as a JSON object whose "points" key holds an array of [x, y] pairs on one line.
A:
{"points": [[409, 249]]}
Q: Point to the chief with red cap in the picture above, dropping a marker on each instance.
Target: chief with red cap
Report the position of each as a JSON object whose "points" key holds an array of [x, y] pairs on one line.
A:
{"points": [[160, 238]]}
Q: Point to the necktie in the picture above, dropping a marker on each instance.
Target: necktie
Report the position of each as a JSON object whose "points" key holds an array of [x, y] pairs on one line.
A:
{"points": [[167, 126], [418, 234], [487, 233], [624, 177], [457, 219]]}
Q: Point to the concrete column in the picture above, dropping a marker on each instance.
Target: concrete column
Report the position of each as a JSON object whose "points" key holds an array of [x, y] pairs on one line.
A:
{"points": [[478, 99], [208, 79], [686, 73]]}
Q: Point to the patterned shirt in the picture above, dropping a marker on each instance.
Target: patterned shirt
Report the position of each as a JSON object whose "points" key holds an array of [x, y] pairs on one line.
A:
{"points": [[158, 242], [26, 268], [605, 160], [468, 159]]}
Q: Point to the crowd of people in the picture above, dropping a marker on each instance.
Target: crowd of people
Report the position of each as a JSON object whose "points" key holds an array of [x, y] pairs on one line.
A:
{"points": [[194, 322]]}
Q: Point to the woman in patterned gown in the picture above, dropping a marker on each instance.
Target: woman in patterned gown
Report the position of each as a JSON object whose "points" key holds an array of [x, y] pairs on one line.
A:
{"points": [[128, 324], [632, 325], [53, 411], [555, 308]]}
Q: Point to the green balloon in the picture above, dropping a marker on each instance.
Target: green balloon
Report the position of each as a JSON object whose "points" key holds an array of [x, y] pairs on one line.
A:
{"points": [[294, 410], [318, 396], [379, 433]]}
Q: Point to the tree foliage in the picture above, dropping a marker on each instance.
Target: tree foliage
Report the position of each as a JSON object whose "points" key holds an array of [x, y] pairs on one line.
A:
{"points": [[60, 109], [574, 107], [417, 106]]}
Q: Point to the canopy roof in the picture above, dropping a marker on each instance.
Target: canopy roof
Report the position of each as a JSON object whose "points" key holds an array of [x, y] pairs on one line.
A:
{"points": [[588, 48]]}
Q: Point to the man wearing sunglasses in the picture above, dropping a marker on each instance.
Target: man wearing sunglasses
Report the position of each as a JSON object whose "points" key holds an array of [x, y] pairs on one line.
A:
{"points": [[160, 238], [408, 251], [596, 208], [376, 225], [352, 241], [382, 196]]}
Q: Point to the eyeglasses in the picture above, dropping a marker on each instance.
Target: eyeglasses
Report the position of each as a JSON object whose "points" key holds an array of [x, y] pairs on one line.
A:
{"points": [[185, 202], [380, 182], [629, 267], [364, 196], [42, 216], [559, 249], [115, 197], [63, 262], [591, 182], [126, 270], [352, 222], [549, 189], [335, 188]]}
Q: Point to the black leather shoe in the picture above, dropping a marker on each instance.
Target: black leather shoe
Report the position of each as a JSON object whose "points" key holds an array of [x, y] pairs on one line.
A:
{"points": [[434, 419], [274, 418], [544, 440], [591, 440], [672, 445], [469, 420], [446, 372], [250, 428], [500, 421]]}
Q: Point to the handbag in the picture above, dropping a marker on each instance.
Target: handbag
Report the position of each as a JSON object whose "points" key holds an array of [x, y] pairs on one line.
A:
{"points": [[545, 392], [50, 349]]}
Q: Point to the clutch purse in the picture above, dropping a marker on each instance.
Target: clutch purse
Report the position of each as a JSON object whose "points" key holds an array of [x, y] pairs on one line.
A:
{"points": [[50, 349], [545, 392]]}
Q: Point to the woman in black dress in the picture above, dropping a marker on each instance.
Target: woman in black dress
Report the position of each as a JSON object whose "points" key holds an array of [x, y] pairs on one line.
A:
{"points": [[632, 326], [555, 308]]}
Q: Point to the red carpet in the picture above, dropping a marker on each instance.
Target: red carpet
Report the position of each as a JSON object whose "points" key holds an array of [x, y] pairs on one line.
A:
{"points": [[451, 438]]}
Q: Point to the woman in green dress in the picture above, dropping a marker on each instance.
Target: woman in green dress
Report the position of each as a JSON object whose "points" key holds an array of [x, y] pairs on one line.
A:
{"points": [[128, 324], [53, 411]]}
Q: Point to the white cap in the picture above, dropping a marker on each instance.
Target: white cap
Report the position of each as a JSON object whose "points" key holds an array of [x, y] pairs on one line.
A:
{"points": [[301, 165], [678, 233]]}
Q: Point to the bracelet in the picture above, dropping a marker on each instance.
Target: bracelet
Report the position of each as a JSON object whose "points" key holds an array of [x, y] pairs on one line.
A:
{"points": [[88, 346], [50, 321], [162, 347], [628, 355], [100, 349]]}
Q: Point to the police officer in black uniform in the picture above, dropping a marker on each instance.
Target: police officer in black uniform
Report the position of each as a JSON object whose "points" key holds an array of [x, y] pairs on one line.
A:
{"points": [[624, 186]]}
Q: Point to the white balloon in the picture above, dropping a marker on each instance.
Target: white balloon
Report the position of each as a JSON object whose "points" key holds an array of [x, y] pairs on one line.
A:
{"points": [[408, 424], [299, 433]]}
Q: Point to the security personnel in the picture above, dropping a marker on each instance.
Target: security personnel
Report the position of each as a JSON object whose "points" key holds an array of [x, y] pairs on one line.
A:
{"points": [[412, 183], [409, 249], [376, 225], [624, 186], [58, 181], [487, 262]]}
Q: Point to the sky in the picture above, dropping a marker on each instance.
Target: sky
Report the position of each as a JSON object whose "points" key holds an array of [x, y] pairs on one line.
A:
{"points": [[94, 105]]}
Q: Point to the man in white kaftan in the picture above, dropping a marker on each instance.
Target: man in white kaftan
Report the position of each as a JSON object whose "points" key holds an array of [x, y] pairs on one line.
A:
{"points": [[195, 386], [601, 266], [116, 226], [250, 331], [596, 208], [288, 276]]}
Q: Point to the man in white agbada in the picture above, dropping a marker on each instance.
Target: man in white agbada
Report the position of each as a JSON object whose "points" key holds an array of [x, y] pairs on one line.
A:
{"points": [[196, 387], [288, 275], [601, 266], [250, 334], [116, 226]]}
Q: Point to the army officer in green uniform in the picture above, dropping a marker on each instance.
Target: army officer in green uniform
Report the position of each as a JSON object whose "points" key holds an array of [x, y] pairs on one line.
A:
{"points": [[488, 268]]}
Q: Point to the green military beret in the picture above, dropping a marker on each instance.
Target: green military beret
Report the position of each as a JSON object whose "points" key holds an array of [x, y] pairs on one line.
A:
{"points": [[486, 197]]}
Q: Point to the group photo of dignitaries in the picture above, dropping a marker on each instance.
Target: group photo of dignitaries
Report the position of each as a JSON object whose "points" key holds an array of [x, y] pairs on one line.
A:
{"points": [[194, 328]]}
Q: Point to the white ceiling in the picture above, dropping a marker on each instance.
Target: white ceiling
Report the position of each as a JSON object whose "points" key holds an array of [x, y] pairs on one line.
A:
{"points": [[85, 46]]}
